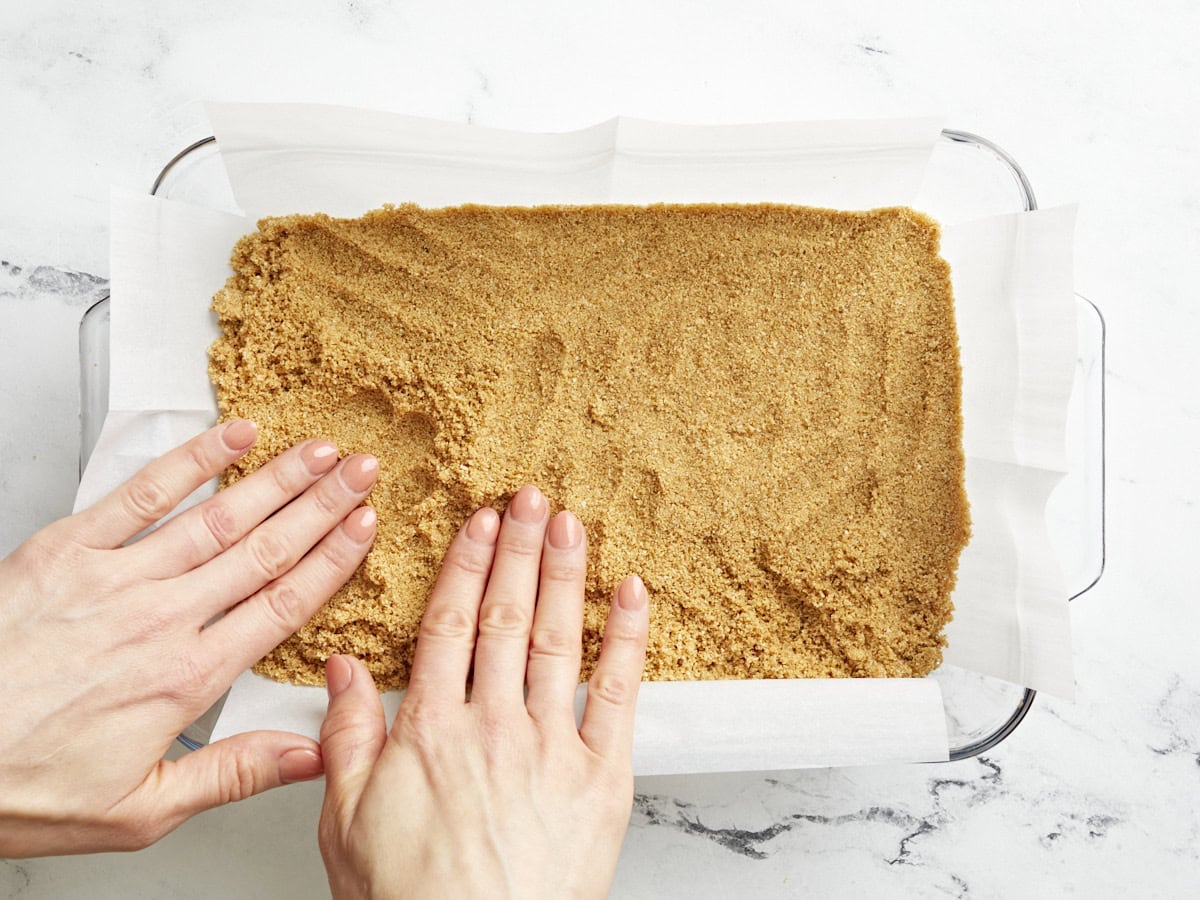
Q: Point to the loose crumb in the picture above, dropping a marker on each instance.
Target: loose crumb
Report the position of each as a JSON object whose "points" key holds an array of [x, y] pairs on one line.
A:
{"points": [[756, 408]]}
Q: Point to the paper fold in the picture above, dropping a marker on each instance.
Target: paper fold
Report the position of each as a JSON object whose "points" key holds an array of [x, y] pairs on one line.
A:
{"points": [[304, 158]]}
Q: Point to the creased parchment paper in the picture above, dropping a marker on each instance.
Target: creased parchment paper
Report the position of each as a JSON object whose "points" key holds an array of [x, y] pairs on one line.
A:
{"points": [[1012, 281]]}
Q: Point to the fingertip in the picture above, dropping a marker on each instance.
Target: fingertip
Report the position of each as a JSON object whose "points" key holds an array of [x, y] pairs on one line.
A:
{"points": [[233, 769], [360, 524], [339, 674], [360, 471], [484, 525], [528, 505], [301, 764], [239, 434], [354, 730], [319, 456], [632, 595], [565, 531]]}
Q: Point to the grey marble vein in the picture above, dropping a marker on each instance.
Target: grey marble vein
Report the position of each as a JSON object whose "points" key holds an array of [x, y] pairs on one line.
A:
{"points": [[655, 810], [31, 283], [17, 878], [1178, 713]]}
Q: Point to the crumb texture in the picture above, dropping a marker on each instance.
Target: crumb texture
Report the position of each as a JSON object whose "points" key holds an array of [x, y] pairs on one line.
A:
{"points": [[756, 408]]}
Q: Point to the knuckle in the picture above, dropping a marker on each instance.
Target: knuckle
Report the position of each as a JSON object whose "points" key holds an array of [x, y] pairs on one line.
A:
{"points": [[187, 684], [339, 558], [339, 727], [566, 571], [503, 619], [151, 622], [420, 725], [554, 644], [220, 523], [200, 458], [610, 688], [413, 718], [63, 533], [449, 623], [523, 546], [473, 564], [423, 716], [238, 776], [147, 498], [500, 736], [282, 604], [624, 628], [269, 553], [284, 479], [40, 552], [325, 498]]}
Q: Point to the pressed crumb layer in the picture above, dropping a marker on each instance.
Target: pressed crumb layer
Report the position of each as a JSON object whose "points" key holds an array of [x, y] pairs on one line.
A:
{"points": [[754, 407]]}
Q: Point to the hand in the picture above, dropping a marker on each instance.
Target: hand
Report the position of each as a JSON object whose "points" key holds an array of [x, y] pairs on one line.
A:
{"points": [[106, 658], [499, 793]]}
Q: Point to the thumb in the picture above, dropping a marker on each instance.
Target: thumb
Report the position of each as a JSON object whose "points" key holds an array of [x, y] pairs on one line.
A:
{"points": [[353, 733], [229, 770]]}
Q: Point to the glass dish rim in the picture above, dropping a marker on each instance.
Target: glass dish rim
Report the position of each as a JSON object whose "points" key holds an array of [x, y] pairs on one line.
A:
{"points": [[1029, 202]]}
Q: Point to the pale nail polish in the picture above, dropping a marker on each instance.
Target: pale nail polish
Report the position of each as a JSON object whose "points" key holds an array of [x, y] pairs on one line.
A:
{"points": [[528, 505], [631, 595], [360, 525], [359, 473], [484, 525], [565, 531], [239, 434], [319, 456], [338, 676], [299, 765]]}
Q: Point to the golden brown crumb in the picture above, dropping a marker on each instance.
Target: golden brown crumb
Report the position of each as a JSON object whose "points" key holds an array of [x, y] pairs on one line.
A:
{"points": [[756, 408]]}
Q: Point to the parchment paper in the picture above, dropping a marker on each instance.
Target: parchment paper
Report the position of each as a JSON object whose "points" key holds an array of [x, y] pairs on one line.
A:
{"points": [[1012, 277]]}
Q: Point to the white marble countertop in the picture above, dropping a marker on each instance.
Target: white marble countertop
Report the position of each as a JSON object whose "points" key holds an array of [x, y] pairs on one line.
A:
{"points": [[1098, 797]]}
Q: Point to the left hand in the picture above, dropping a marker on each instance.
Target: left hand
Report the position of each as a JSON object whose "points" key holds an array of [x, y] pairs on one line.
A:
{"points": [[105, 653]]}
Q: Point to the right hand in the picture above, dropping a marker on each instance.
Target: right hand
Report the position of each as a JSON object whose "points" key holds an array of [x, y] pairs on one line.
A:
{"points": [[497, 793]]}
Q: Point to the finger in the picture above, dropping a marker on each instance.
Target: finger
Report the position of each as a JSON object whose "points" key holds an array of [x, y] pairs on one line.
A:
{"points": [[555, 643], [502, 647], [274, 547], [256, 626], [162, 485], [612, 690], [352, 734], [229, 770], [197, 535], [446, 640]]}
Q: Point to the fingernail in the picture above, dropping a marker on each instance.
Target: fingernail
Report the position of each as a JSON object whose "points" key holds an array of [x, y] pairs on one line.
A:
{"points": [[360, 471], [239, 434], [631, 595], [528, 505], [299, 765], [360, 525], [319, 456], [484, 525], [565, 531], [338, 675]]}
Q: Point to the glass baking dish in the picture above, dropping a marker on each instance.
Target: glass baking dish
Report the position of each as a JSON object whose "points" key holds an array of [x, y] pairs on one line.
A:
{"points": [[968, 177]]}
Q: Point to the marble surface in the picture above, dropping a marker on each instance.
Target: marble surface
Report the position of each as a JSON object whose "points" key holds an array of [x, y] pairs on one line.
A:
{"points": [[1098, 797]]}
